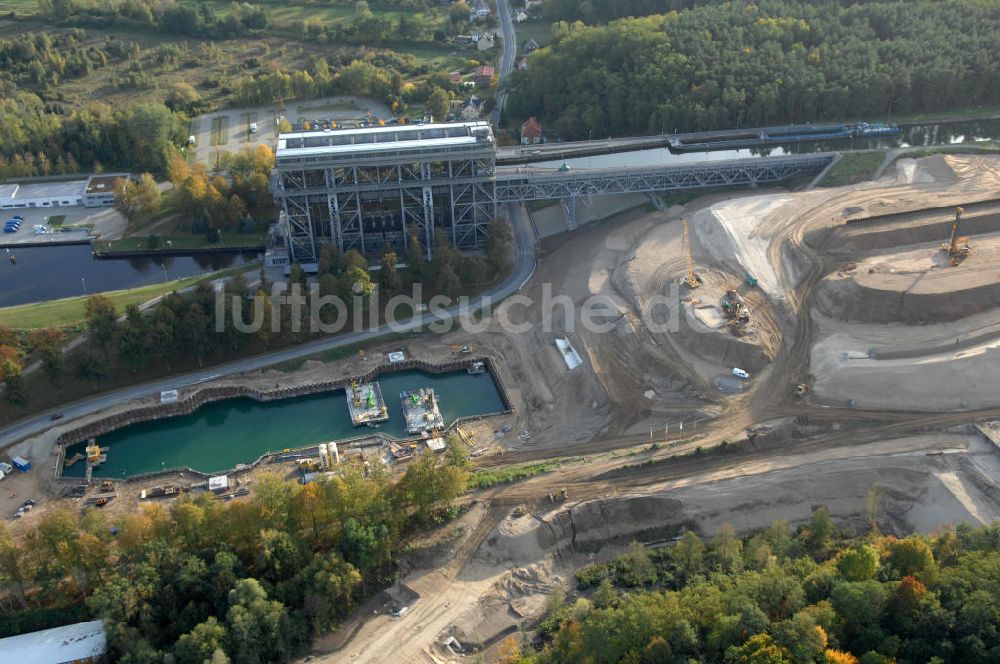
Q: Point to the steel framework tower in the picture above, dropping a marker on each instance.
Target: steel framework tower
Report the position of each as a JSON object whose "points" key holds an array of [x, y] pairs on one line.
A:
{"points": [[366, 189]]}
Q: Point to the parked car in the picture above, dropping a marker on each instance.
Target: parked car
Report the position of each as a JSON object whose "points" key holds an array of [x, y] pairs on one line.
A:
{"points": [[740, 373], [6, 468]]}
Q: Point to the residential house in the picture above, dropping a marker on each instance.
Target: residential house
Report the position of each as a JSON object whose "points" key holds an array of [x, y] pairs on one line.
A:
{"points": [[530, 46], [456, 77], [483, 74], [521, 64], [479, 12], [486, 41], [472, 108], [520, 16], [531, 132]]}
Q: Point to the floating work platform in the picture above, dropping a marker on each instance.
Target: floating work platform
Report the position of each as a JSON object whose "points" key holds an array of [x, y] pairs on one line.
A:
{"points": [[420, 408], [365, 403]]}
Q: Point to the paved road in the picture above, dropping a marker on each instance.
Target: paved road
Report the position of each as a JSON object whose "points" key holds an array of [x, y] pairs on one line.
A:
{"points": [[524, 266], [506, 58]]}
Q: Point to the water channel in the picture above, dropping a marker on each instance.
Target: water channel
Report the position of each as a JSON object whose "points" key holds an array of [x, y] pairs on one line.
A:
{"points": [[951, 133], [50, 273], [220, 435]]}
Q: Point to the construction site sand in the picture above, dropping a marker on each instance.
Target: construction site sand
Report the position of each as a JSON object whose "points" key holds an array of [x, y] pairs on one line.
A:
{"points": [[915, 286], [936, 168], [926, 481], [897, 232], [730, 233], [844, 374], [654, 266]]}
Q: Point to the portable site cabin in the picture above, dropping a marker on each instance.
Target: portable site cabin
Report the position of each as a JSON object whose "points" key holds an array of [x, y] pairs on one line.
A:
{"points": [[21, 464]]}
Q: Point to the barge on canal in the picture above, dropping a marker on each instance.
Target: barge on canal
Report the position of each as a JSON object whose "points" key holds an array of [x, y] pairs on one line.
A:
{"points": [[748, 138]]}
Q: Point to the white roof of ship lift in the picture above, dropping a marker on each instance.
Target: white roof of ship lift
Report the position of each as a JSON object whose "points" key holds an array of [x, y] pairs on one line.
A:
{"points": [[376, 147], [68, 643], [351, 148]]}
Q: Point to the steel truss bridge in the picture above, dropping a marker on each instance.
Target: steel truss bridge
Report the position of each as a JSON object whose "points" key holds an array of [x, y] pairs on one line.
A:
{"points": [[568, 186], [366, 198]]}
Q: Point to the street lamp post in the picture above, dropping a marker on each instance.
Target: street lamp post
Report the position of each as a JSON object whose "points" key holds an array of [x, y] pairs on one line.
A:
{"points": [[83, 280]]}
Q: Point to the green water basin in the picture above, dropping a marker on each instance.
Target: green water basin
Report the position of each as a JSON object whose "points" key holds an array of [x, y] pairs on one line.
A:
{"points": [[220, 435]]}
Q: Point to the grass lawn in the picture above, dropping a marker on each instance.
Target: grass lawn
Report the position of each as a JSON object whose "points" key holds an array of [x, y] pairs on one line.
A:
{"points": [[852, 168], [482, 479], [184, 241], [538, 29], [18, 6], [57, 220], [70, 311]]}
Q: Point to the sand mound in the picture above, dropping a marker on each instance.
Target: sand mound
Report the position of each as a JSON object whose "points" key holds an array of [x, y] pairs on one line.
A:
{"points": [[917, 286], [934, 169], [732, 233]]}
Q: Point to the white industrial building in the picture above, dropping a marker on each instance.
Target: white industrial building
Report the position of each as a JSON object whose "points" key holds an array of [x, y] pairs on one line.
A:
{"points": [[82, 642], [95, 191]]}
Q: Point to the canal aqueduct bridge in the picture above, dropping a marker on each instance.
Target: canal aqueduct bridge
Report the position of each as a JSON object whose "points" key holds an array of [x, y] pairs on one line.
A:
{"points": [[369, 188]]}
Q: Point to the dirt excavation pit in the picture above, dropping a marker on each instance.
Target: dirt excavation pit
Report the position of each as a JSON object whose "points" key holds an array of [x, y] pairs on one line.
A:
{"points": [[697, 328]]}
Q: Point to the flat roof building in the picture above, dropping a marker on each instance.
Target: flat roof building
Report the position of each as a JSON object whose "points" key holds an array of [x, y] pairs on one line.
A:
{"points": [[100, 189], [95, 191], [369, 188], [83, 642]]}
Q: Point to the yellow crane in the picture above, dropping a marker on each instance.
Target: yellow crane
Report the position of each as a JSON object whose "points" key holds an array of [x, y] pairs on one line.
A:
{"points": [[692, 281], [958, 247]]}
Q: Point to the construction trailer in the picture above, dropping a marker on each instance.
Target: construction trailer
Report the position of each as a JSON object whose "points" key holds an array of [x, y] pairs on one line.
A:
{"points": [[376, 187]]}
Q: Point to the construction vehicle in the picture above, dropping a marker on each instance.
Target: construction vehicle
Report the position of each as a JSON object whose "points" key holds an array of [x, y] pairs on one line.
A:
{"points": [[692, 280], [559, 497], [958, 247], [107, 486], [736, 311], [101, 502], [801, 390]]}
